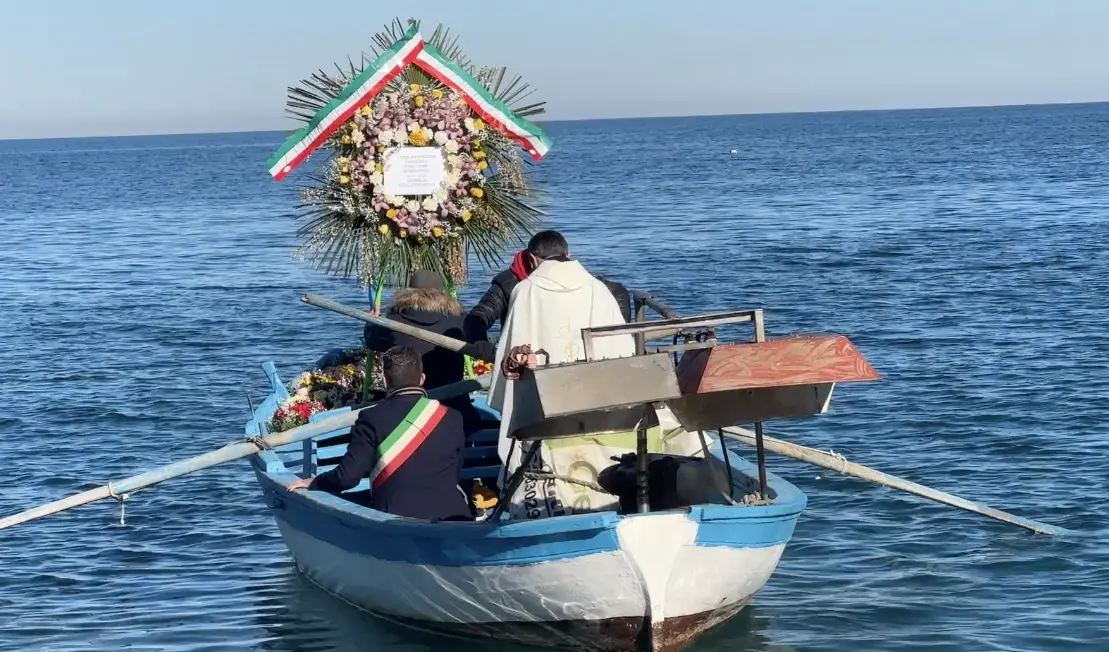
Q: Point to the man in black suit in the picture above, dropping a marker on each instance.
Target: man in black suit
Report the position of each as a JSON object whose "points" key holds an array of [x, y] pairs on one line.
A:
{"points": [[409, 446]]}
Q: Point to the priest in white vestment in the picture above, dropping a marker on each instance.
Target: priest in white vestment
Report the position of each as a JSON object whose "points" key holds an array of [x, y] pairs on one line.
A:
{"points": [[548, 311]]}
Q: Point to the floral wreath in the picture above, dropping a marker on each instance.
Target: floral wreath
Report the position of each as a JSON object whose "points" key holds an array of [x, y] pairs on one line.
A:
{"points": [[412, 94], [418, 116]]}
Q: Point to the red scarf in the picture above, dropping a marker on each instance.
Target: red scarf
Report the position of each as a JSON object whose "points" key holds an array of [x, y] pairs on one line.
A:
{"points": [[520, 265]]}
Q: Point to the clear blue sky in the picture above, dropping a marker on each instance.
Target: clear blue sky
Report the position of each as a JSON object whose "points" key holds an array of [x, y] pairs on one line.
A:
{"points": [[101, 67]]}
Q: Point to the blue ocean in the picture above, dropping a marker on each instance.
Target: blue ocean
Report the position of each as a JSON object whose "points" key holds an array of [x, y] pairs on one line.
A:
{"points": [[144, 281]]}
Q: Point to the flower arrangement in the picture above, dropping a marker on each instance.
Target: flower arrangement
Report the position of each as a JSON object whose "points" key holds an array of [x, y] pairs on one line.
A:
{"points": [[352, 226], [331, 387], [482, 368], [416, 116], [293, 412]]}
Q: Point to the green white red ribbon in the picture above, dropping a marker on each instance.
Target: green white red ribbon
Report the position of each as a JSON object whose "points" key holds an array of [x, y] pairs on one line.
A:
{"points": [[356, 94], [409, 434], [491, 110], [363, 88]]}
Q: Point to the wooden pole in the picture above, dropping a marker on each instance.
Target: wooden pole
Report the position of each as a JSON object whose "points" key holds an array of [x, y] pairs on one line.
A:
{"points": [[228, 453], [836, 463], [760, 449], [443, 341], [375, 297], [760, 455]]}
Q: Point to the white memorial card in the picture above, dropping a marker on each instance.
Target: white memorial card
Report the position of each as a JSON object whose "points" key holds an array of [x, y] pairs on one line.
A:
{"points": [[413, 170]]}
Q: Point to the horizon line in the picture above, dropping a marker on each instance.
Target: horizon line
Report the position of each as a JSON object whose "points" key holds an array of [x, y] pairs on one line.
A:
{"points": [[609, 119]]}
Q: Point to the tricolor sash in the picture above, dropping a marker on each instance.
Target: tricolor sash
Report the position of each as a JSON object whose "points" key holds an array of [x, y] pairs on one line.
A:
{"points": [[409, 434]]}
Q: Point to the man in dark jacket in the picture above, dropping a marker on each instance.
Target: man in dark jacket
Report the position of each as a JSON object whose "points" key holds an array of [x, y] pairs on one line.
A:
{"points": [[409, 446], [493, 306], [425, 304]]}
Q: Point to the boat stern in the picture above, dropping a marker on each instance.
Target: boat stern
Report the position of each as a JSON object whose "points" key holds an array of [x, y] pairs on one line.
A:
{"points": [[698, 568]]}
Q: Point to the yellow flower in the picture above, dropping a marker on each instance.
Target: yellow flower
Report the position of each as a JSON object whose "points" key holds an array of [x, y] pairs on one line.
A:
{"points": [[419, 100], [477, 192], [479, 155], [367, 111], [417, 138], [437, 232], [346, 139], [378, 168], [436, 93], [478, 125], [466, 215], [403, 233], [383, 229], [344, 179], [415, 88], [481, 165], [476, 144], [380, 148], [391, 213]]}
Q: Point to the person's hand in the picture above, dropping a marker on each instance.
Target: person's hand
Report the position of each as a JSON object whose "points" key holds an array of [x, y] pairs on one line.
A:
{"points": [[299, 483], [516, 359]]}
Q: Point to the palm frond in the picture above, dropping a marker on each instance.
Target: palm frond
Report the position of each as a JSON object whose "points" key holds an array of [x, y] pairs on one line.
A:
{"points": [[512, 94]]}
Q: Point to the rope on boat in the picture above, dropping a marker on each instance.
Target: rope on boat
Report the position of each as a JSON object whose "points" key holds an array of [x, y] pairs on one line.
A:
{"points": [[842, 461], [120, 498], [670, 434], [258, 441], [539, 475]]}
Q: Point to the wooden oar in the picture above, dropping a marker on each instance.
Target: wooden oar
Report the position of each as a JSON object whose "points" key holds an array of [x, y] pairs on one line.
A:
{"points": [[838, 463], [443, 341], [228, 453]]}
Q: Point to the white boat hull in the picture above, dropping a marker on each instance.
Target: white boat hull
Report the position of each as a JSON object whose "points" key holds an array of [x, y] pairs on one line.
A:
{"points": [[602, 582], [658, 579]]}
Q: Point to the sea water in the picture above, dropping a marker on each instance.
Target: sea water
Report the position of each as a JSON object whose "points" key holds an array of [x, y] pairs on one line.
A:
{"points": [[144, 281]]}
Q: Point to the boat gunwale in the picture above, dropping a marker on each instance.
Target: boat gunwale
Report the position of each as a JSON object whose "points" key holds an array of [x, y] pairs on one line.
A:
{"points": [[789, 501]]}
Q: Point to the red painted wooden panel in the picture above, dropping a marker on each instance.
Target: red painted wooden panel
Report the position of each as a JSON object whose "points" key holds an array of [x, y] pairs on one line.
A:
{"points": [[775, 363]]}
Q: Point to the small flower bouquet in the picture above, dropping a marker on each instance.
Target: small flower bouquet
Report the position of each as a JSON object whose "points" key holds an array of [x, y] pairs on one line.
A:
{"points": [[482, 368], [319, 390], [294, 412]]}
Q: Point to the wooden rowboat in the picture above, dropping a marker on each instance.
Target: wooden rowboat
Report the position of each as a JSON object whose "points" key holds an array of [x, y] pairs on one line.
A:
{"points": [[611, 581], [602, 581]]}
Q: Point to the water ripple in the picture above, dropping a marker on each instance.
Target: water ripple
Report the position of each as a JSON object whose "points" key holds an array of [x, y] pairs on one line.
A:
{"points": [[962, 251]]}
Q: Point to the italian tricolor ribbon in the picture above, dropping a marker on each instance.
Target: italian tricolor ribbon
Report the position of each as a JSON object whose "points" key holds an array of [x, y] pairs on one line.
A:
{"points": [[356, 94], [491, 110], [371, 81], [409, 434]]}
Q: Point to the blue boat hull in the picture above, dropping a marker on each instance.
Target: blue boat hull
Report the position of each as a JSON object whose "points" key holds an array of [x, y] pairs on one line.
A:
{"points": [[599, 581]]}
